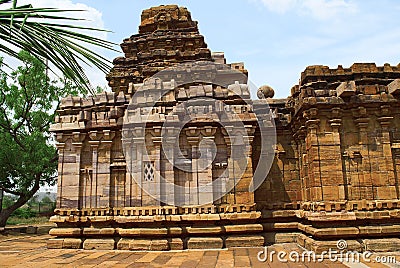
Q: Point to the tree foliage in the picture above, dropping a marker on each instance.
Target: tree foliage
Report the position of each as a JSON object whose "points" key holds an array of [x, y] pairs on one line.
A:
{"points": [[28, 159], [46, 35]]}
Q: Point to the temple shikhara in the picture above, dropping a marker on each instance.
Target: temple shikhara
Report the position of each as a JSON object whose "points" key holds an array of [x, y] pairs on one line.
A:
{"points": [[180, 156]]}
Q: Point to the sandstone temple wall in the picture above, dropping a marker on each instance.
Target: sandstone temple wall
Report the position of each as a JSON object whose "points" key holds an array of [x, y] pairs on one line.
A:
{"points": [[335, 153]]}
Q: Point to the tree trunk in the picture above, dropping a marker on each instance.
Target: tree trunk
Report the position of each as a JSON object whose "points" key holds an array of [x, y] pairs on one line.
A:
{"points": [[4, 215], [23, 198]]}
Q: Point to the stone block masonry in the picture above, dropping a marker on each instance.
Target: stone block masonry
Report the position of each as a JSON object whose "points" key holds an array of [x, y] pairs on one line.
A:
{"points": [[335, 159]]}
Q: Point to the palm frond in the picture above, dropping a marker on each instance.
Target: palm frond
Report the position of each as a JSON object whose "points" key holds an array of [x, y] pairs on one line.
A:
{"points": [[39, 31]]}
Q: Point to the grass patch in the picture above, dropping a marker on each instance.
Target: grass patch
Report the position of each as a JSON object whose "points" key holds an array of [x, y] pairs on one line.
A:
{"points": [[13, 220]]}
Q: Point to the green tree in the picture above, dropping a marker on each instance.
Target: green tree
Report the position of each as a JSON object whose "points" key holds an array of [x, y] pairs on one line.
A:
{"points": [[27, 105], [47, 36], [8, 201], [33, 201], [46, 199]]}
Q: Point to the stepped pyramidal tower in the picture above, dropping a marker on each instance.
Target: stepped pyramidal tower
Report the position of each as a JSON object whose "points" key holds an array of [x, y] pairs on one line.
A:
{"points": [[178, 156]]}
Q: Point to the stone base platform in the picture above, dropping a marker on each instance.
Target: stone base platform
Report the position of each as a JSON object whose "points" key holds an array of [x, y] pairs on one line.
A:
{"points": [[375, 230], [156, 244], [374, 226], [158, 228], [151, 239], [359, 245]]}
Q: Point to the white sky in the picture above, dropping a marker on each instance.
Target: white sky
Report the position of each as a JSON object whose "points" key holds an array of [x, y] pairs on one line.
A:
{"points": [[276, 39]]}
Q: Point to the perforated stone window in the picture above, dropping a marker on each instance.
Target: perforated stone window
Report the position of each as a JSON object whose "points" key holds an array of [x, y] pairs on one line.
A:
{"points": [[148, 171]]}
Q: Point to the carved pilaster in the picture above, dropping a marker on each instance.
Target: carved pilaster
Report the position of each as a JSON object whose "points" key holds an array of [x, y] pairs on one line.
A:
{"points": [[70, 147], [313, 159], [192, 186], [60, 147], [170, 146], [391, 181], [138, 157], [204, 165], [299, 137], [94, 197], [312, 126], [361, 120], [334, 154]]}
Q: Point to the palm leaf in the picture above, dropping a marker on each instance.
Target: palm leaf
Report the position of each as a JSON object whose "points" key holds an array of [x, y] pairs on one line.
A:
{"points": [[39, 31]]}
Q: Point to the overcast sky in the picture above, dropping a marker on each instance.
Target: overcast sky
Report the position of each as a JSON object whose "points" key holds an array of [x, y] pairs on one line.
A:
{"points": [[276, 39]]}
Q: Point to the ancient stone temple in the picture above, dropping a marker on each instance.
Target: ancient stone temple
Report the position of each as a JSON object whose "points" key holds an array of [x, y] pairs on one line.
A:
{"points": [[178, 155]]}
